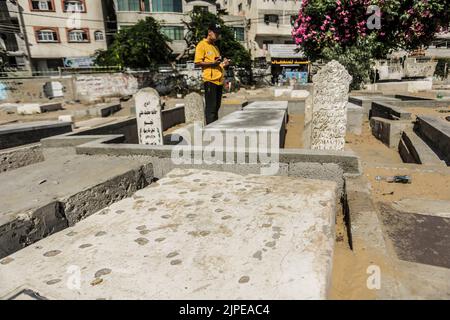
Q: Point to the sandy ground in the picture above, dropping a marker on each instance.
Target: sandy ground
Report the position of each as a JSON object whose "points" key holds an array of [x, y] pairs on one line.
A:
{"points": [[294, 136], [369, 149]]}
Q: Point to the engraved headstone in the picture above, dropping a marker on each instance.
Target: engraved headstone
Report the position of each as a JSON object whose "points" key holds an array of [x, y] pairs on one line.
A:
{"points": [[148, 117], [194, 108], [329, 114]]}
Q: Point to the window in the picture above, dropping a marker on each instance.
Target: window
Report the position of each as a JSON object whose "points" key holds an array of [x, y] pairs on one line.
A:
{"points": [[47, 35], [167, 6], [173, 32], [78, 35], [129, 5], [240, 7], [42, 5], [200, 9], [239, 34], [98, 36], [270, 18], [74, 6]]}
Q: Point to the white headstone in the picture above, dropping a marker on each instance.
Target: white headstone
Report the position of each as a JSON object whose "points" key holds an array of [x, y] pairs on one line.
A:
{"points": [[148, 117], [194, 108], [329, 114]]}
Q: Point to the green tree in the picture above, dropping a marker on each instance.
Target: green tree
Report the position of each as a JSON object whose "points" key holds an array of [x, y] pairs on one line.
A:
{"points": [[229, 47], [140, 46]]}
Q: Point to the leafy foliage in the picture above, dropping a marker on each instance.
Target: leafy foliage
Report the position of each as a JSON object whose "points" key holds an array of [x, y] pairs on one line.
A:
{"points": [[140, 46], [229, 47], [339, 29]]}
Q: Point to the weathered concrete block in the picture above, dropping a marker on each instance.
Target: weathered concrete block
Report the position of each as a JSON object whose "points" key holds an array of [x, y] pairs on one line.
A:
{"points": [[29, 108], [355, 115], [436, 132], [15, 158], [414, 148], [63, 190], [389, 111], [258, 237], [264, 124], [17, 134], [389, 131], [325, 171]]}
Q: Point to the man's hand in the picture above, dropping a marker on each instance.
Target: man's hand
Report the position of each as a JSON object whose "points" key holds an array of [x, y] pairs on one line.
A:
{"points": [[226, 62]]}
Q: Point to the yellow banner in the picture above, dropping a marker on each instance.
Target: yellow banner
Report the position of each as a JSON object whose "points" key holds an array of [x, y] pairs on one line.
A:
{"points": [[279, 61]]}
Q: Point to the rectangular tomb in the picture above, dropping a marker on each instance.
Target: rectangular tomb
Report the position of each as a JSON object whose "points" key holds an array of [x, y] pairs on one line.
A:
{"points": [[268, 125], [195, 234], [18, 134], [270, 105]]}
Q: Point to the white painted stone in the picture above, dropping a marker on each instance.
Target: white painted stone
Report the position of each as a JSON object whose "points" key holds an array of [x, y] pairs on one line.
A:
{"points": [[329, 114], [270, 105], [299, 94], [194, 108], [249, 128], [148, 117], [281, 92], [195, 234], [65, 118], [29, 108]]}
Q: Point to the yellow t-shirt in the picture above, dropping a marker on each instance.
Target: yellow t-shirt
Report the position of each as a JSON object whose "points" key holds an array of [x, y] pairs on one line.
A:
{"points": [[206, 52]]}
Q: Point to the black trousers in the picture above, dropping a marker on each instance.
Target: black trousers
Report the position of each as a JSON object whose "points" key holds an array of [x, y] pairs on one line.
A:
{"points": [[213, 101]]}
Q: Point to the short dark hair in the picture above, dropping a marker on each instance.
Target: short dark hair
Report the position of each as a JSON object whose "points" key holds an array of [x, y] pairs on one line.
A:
{"points": [[215, 27]]}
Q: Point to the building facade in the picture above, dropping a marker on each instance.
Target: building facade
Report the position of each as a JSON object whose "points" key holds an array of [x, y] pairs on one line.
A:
{"points": [[267, 22], [58, 33], [170, 13]]}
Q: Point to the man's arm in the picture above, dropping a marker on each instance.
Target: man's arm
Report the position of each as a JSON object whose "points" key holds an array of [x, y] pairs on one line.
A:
{"points": [[200, 57]]}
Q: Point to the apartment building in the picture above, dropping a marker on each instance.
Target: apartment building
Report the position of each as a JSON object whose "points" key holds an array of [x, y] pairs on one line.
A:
{"points": [[170, 13], [57, 33], [267, 22]]}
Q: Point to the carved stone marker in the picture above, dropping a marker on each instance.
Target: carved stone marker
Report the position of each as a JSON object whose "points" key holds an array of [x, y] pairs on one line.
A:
{"points": [[148, 117], [329, 114], [194, 108]]}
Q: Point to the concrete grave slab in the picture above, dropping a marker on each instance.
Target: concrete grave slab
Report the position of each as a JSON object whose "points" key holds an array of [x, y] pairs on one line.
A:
{"points": [[17, 134], [268, 105], [45, 197], [195, 234], [414, 150], [29, 108], [436, 132], [271, 123], [417, 237]]}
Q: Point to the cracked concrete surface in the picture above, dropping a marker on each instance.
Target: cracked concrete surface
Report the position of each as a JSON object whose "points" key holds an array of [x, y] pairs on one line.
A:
{"points": [[195, 234]]}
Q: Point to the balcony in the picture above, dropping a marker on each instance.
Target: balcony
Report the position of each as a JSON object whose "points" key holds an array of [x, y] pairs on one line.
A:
{"points": [[273, 29]]}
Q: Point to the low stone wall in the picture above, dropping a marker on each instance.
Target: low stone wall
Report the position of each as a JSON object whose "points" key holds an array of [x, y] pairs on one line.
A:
{"points": [[99, 86], [32, 89], [11, 159], [12, 136]]}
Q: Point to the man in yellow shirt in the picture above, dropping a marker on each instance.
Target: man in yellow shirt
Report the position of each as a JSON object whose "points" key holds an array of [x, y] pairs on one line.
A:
{"points": [[207, 56]]}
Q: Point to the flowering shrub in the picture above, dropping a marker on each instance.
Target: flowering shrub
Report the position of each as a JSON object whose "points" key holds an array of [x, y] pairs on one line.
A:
{"points": [[327, 29]]}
